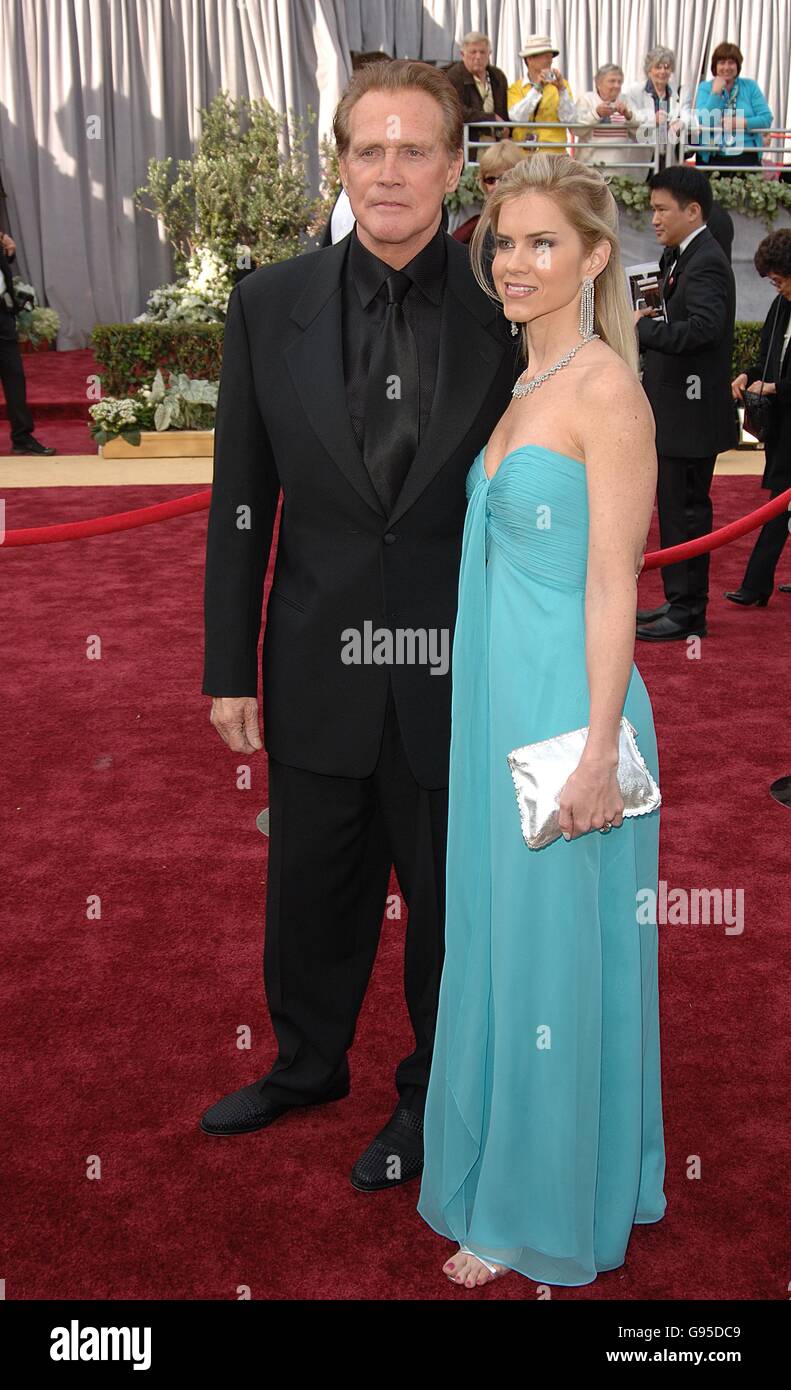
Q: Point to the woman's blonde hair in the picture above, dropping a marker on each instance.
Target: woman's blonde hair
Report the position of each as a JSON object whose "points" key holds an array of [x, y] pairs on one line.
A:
{"points": [[499, 157], [582, 194]]}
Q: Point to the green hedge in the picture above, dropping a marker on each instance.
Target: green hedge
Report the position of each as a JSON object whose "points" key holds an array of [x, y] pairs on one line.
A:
{"points": [[129, 354], [746, 344]]}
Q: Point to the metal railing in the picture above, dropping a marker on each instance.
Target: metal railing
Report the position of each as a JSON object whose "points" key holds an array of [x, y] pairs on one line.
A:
{"points": [[782, 146], [569, 145], [674, 148]]}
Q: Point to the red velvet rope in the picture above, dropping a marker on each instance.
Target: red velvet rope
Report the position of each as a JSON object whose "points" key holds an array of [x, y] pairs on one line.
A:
{"points": [[199, 501], [104, 525]]}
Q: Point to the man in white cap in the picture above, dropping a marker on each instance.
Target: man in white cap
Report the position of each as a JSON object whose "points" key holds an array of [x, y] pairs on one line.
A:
{"points": [[543, 95]]}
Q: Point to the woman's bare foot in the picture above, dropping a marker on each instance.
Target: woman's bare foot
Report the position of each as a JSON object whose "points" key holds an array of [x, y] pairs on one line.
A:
{"points": [[466, 1269]]}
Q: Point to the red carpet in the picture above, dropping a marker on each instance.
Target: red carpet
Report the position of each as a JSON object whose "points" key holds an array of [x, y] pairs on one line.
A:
{"points": [[120, 1031], [57, 393]]}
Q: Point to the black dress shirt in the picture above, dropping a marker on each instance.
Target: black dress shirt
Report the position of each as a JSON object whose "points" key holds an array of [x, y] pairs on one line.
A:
{"points": [[364, 308]]}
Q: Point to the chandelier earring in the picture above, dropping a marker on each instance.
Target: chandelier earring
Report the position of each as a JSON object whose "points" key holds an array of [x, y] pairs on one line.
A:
{"points": [[587, 307]]}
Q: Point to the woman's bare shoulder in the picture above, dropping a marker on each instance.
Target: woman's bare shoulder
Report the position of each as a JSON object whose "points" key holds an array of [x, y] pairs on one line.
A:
{"points": [[609, 387]]}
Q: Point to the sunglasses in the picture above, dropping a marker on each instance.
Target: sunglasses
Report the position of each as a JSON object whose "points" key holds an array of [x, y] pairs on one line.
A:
{"points": [[490, 179]]}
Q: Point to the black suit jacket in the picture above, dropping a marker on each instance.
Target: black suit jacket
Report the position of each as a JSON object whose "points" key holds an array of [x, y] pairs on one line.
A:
{"points": [[687, 371], [777, 472], [282, 421], [720, 224]]}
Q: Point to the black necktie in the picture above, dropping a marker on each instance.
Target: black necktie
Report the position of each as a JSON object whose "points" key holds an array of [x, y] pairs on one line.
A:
{"points": [[391, 399]]}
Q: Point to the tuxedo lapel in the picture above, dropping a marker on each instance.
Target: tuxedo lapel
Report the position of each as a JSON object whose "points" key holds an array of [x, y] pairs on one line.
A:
{"points": [[469, 357], [683, 260]]}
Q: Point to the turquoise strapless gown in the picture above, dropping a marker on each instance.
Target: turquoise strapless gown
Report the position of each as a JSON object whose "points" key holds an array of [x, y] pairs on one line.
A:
{"points": [[543, 1127]]}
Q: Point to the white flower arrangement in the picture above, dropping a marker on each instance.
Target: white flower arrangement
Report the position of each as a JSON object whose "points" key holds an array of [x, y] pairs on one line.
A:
{"points": [[34, 322], [201, 297], [115, 411]]}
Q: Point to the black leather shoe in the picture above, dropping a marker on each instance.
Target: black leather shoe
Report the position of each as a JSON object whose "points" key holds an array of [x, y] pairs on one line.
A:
{"points": [[747, 598], [33, 446], [668, 630], [784, 588], [395, 1156], [650, 615], [249, 1109]]}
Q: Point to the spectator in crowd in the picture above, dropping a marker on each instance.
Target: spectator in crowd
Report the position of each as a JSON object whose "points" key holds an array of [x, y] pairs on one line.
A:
{"points": [[12, 372], [609, 119], [664, 111], [544, 95], [687, 378], [773, 260], [482, 90], [730, 113], [494, 163]]}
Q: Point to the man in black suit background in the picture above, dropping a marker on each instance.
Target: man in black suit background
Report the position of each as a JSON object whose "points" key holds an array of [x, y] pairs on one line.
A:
{"points": [[362, 379], [720, 224], [12, 371], [687, 378]]}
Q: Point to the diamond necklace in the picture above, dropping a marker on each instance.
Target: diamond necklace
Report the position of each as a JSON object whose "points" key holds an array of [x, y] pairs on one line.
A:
{"points": [[524, 388]]}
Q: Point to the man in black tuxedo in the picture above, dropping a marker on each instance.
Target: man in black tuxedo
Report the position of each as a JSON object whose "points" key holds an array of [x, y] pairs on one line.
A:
{"points": [[12, 372], [720, 224], [770, 375], [361, 379], [687, 378]]}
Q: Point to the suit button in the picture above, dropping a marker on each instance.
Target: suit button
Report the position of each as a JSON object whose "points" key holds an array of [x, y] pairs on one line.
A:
{"points": [[389, 538]]}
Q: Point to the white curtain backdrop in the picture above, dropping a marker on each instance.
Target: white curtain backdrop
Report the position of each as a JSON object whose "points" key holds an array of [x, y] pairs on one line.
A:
{"points": [[90, 89]]}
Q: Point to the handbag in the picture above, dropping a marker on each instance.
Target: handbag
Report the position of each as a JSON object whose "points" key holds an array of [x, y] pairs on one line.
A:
{"points": [[759, 410], [540, 771]]}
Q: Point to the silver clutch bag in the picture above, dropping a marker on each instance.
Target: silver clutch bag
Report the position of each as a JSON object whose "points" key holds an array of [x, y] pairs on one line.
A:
{"points": [[540, 771]]}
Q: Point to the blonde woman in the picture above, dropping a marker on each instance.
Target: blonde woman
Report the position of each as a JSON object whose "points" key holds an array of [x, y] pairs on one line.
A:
{"points": [[543, 1125]]}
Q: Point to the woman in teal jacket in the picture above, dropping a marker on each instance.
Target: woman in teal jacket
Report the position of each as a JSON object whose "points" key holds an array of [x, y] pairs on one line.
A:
{"points": [[742, 113]]}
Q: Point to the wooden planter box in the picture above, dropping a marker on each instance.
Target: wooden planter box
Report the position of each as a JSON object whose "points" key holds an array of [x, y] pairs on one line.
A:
{"points": [[160, 444]]}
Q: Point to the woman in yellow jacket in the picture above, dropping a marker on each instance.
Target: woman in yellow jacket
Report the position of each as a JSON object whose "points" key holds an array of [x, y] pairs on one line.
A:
{"points": [[544, 95]]}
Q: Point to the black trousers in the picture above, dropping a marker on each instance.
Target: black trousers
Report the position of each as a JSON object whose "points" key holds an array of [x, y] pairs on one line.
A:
{"points": [[759, 575], [332, 841], [12, 375], [685, 512]]}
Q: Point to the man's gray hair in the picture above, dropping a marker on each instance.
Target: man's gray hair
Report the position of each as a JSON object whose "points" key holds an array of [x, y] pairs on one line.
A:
{"points": [[475, 36], [659, 55]]}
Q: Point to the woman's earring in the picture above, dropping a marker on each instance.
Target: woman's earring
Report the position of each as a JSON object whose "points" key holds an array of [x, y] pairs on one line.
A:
{"points": [[586, 307], [514, 329]]}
